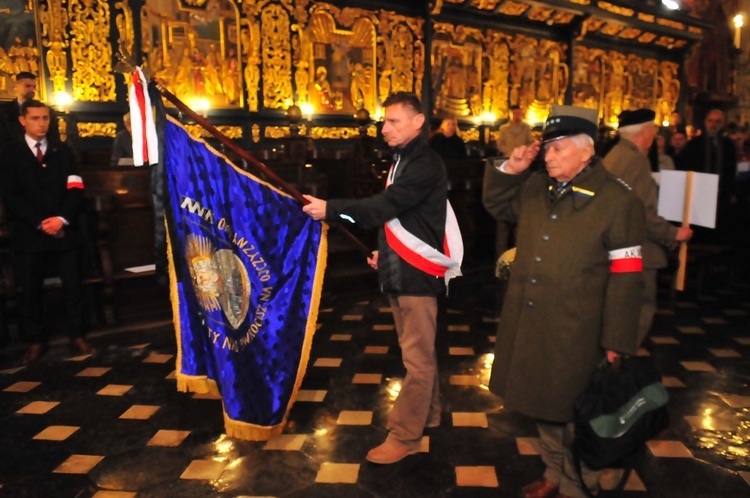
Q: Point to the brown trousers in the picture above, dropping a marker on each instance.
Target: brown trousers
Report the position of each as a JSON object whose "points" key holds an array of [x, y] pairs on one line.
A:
{"points": [[556, 442], [418, 402]]}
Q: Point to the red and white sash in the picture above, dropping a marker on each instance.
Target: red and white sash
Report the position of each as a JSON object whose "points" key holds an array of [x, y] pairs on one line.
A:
{"points": [[145, 143], [420, 254]]}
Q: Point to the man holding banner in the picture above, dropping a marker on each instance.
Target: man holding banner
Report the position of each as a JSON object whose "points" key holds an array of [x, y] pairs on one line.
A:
{"points": [[416, 219]]}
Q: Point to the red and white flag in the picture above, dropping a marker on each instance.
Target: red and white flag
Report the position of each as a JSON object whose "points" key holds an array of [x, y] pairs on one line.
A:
{"points": [[145, 143]]}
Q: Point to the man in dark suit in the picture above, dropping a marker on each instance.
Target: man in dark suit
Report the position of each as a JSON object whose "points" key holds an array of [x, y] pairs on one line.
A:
{"points": [[10, 127], [711, 152], [43, 195]]}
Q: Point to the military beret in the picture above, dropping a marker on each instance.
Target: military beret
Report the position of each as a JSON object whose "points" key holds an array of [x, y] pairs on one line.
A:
{"points": [[567, 121], [638, 116]]}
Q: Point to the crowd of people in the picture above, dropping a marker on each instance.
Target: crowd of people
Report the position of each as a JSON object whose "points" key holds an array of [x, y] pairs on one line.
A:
{"points": [[583, 284]]}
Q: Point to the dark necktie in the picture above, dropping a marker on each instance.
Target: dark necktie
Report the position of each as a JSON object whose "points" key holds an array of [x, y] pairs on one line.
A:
{"points": [[39, 153]]}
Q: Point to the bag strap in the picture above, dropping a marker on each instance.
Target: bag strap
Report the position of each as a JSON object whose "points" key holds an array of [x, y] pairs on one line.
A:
{"points": [[616, 492]]}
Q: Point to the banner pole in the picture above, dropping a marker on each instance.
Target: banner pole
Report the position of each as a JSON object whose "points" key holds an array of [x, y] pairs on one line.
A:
{"points": [[686, 212], [275, 179]]}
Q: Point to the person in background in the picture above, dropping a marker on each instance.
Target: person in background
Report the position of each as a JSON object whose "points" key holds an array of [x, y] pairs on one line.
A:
{"points": [[711, 152], [511, 135], [43, 195], [575, 285], [10, 127], [665, 161], [123, 144], [446, 141], [677, 142], [628, 161]]}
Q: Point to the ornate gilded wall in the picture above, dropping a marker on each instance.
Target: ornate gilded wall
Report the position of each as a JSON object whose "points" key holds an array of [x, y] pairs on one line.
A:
{"points": [[261, 56], [612, 82]]}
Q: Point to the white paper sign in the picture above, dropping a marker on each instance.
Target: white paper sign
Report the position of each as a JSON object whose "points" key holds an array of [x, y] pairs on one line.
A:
{"points": [[705, 194]]}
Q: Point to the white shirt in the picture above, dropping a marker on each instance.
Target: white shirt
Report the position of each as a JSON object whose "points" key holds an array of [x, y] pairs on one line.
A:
{"points": [[32, 144]]}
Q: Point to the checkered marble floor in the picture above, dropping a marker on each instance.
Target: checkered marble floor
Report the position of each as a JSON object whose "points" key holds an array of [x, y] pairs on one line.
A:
{"points": [[112, 425]]}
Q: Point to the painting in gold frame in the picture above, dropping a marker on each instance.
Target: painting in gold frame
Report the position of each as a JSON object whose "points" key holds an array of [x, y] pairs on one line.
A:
{"points": [[19, 45], [342, 65], [196, 52], [457, 72]]}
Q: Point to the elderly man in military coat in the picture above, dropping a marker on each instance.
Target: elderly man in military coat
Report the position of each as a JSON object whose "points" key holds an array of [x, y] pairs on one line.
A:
{"points": [[575, 286], [629, 161]]}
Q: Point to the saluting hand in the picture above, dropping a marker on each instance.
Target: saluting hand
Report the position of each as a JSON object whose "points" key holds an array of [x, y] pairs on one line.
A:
{"points": [[521, 158]]}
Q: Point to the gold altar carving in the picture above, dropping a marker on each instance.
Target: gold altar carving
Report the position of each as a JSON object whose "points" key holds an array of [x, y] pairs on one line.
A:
{"points": [[485, 4], [197, 131], [538, 76], [19, 49], [495, 87], [621, 11], [276, 58], [88, 130], [399, 53], [90, 51], [457, 53], [540, 14], [341, 61], [195, 53], [255, 132], [54, 21], [250, 34], [646, 17], [124, 23], [612, 82], [339, 132], [513, 8]]}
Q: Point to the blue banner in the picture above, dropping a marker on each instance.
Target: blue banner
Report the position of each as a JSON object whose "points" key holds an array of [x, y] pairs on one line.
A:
{"points": [[246, 271]]}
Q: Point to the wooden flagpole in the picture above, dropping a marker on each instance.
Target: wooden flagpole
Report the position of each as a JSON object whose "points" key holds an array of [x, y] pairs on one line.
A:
{"points": [[686, 212], [273, 177]]}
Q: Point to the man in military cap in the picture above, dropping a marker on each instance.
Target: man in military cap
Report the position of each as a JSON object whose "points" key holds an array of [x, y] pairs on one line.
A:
{"points": [[628, 161], [575, 286]]}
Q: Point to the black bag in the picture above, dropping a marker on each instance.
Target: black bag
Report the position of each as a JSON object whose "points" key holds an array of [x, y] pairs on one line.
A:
{"points": [[624, 405]]}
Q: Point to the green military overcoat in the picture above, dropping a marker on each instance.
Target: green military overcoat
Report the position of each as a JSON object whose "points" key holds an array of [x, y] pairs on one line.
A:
{"points": [[627, 162], [564, 307]]}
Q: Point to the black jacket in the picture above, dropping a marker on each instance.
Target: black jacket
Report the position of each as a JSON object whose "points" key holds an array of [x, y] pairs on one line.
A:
{"points": [[417, 197], [695, 157], [33, 192]]}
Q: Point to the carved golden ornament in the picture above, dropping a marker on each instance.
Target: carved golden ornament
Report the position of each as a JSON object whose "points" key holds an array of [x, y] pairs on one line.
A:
{"points": [[513, 8], [670, 24], [277, 63], [255, 133], [194, 3], [540, 14], [494, 136], [90, 51], [668, 90], [62, 126], [647, 37], [396, 53], [470, 135], [646, 17], [611, 29], [125, 31], [666, 41], [679, 43], [54, 20], [460, 50], [485, 4], [615, 9], [342, 65], [630, 33], [695, 30], [591, 24], [197, 131], [563, 18], [580, 2], [538, 74], [455, 1], [88, 130], [337, 133], [437, 7], [495, 91], [250, 35], [276, 132]]}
